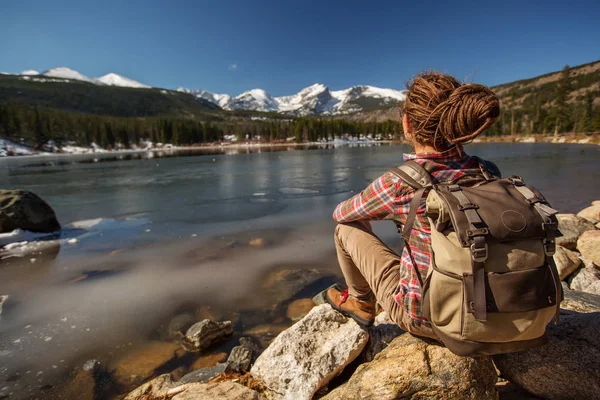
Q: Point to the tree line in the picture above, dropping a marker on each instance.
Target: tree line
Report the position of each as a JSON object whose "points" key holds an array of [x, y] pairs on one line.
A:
{"points": [[36, 127], [551, 108]]}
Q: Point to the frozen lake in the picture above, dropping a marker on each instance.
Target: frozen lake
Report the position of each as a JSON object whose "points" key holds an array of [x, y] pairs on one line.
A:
{"points": [[148, 236]]}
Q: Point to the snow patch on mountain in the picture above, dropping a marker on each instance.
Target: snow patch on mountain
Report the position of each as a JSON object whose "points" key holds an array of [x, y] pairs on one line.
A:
{"points": [[255, 100], [29, 72], [113, 79], [68, 73], [219, 99]]}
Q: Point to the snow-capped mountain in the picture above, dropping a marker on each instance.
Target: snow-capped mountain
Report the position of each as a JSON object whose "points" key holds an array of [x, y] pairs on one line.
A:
{"points": [[113, 79], [30, 72], [255, 99], [68, 73], [219, 99], [110, 79], [315, 99]]}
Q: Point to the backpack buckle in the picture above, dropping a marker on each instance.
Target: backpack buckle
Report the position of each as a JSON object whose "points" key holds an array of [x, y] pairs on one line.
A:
{"points": [[516, 180], [468, 206], [479, 254], [549, 247]]}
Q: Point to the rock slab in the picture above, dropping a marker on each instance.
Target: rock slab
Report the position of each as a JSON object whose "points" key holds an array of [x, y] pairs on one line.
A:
{"points": [[571, 226], [205, 333], [164, 387], [413, 368], [309, 354], [589, 246], [568, 367], [591, 213], [21, 209], [567, 262]]}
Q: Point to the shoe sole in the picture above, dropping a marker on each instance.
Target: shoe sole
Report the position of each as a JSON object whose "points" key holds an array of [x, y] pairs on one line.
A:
{"points": [[363, 322]]}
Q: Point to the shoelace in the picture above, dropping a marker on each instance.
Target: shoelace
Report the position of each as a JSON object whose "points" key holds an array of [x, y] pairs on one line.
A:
{"points": [[344, 296]]}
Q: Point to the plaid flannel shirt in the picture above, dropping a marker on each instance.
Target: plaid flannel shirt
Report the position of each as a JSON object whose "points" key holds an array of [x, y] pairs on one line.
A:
{"points": [[388, 198]]}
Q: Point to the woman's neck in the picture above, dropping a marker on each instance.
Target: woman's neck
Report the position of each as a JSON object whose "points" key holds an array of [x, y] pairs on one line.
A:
{"points": [[424, 149]]}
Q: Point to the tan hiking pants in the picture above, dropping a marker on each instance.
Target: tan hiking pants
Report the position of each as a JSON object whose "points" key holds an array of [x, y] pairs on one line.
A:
{"points": [[369, 266]]}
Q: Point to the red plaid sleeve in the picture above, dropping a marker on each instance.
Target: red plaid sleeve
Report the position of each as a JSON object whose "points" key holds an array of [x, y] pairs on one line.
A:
{"points": [[376, 202]]}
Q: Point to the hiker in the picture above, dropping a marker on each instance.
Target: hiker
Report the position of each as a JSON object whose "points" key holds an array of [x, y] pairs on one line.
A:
{"points": [[439, 115], [474, 304]]}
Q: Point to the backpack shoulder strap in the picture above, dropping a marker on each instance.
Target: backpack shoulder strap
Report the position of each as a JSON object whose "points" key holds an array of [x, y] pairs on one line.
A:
{"points": [[417, 177], [413, 174]]}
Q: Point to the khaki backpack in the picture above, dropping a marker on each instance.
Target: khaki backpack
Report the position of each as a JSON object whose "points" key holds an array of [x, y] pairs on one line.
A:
{"points": [[492, 286]]}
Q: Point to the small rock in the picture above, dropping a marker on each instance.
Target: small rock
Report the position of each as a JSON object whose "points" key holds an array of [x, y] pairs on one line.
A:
{"points": [[204, 374], [297, 309], [310, 353], [584, 277], [580, 301], [240, 358], [598, 225], [209, 360], [3, 299], [591, 213], [567, 262], [571, 226], [412, 368], [21, 209], [205, 333], [589, 246], [566, 368], [211, 391], [157, 387], [141, 364], [258, 242]]}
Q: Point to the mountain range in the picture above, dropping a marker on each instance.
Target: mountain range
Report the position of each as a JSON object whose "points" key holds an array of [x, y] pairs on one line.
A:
{"points": [[317, 99]]}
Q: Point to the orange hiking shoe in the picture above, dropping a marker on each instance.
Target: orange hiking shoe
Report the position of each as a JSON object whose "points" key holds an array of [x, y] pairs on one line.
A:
{"points": [[361, 311]]}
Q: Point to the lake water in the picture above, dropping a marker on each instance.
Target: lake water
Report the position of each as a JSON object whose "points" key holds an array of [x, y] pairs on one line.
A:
{"points": [[152, 235]]}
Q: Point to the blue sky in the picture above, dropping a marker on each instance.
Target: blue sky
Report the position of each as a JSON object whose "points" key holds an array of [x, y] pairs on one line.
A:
{"points": [[282, 46]]}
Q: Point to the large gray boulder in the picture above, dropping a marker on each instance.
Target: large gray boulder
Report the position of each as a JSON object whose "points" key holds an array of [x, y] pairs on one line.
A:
{"points": [[571, 226], [412, 368], [21, 209], [568, 367], [309, 354]]}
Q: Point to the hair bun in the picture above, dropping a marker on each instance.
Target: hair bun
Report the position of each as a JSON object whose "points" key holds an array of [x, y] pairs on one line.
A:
{"points": [[468, 111]]}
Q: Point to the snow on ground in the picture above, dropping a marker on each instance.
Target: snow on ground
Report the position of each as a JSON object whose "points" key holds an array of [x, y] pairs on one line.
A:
{"points": [[7, 147], [18, 238], [113, 79]]}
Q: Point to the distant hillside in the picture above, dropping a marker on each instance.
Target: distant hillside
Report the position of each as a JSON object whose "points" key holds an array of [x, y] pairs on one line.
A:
{"points": [[85, 97], [557, 102], [584, 80]]}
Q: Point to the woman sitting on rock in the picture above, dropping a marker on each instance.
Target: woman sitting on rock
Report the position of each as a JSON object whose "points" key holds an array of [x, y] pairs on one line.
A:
{"points": [[440, 114]]}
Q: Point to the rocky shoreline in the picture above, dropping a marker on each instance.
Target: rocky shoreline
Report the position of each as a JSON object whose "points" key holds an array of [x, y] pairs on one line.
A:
{"points": [[325, 355]]}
